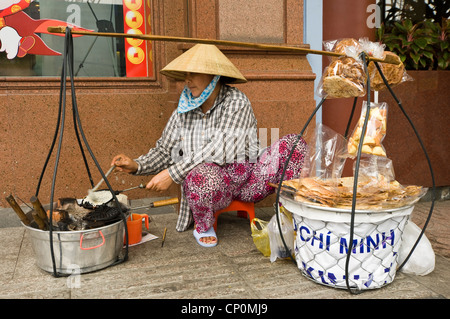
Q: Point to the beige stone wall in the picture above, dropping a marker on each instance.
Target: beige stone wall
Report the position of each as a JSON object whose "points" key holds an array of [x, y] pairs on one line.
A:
{"points": [[128, 115]]}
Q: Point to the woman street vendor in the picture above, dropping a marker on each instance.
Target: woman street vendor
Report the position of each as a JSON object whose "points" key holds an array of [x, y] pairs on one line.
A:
{"points": [[209, 145]]}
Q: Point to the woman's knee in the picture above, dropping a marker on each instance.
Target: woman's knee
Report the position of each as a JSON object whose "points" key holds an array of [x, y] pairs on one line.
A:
{"points": [[207, 185], [203, 173], [207, 177]]}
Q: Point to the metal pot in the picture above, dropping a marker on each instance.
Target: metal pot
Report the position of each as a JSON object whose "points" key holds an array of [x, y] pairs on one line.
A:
{"points": [[78, 251]]}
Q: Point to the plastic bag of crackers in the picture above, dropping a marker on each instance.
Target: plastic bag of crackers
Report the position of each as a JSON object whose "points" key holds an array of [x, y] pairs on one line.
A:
{"points": [[321, 183], [345, 76], [394, 73], [375, 130]]}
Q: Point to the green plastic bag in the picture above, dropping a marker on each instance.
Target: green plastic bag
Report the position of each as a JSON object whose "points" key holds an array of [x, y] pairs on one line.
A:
{"points": [[260, 236]]}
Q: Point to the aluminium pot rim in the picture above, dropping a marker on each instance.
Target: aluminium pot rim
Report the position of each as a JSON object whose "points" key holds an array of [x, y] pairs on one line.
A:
{"points": [[57, 232]]}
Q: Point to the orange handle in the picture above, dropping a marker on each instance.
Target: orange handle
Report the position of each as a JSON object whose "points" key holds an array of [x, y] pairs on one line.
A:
{"points": [[165, 202], [145, 216], [140, 217], [81, 242]]}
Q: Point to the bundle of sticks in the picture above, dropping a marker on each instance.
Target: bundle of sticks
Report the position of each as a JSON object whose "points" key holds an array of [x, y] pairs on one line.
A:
{"points": [[67, 215]]}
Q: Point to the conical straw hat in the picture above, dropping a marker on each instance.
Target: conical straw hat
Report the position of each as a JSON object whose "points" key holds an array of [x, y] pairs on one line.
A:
{"points": [[203, 58]]}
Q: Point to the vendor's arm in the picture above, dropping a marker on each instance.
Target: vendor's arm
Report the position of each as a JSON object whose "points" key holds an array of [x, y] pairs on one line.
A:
{"points": [[159, 158]]}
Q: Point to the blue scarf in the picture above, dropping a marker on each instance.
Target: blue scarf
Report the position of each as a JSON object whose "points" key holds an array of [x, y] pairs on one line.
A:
{"points": [[188, 102]]}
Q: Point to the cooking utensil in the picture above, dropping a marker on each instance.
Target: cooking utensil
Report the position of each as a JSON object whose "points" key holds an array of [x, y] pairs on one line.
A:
{"points": [[158, 203], [102, 180], [102, 197], [87, 250], [105, 213]]}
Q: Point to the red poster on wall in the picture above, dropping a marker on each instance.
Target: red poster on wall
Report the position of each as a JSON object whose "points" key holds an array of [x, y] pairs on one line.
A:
{"points": [[136, 17]]}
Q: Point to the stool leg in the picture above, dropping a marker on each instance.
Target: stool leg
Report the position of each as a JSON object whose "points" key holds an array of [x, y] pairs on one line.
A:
{"points": [[242, 214]]}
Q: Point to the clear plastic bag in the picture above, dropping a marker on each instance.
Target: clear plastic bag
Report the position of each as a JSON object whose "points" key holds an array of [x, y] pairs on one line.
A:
{"points": [[372, 49], [326, 154], [260, 235], [375, 130], [379, 169], [345, 76], [277, 248], [341, 45], [323, 165], [394, 73]]}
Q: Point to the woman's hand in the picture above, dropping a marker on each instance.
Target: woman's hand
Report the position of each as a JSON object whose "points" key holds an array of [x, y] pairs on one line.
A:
{"points": [[124, 164], [160, 182]]}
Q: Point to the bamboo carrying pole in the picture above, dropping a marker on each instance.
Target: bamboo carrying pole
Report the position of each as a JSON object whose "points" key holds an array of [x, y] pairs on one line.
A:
{"points": [[59, 29]]}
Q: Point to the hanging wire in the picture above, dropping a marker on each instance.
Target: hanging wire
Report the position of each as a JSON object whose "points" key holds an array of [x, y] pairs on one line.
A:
{"points": [[77, 116], [433, 189], [68, 62], [278, 190], [355, 182], [351, 117]]}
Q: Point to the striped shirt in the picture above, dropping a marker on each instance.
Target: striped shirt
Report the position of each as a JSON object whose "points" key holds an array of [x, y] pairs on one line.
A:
{"points": [[226, 133]]}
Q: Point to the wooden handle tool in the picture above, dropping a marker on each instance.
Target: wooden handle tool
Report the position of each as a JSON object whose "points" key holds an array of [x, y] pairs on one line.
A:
{"points": [[165, 202], [159, 203]]}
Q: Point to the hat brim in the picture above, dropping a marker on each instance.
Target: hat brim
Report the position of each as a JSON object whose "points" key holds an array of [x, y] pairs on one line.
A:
{"points": [[205, 59]]}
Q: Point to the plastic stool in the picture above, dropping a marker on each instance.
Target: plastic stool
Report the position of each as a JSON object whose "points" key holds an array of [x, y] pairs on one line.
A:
{"points": [[242, 208]]}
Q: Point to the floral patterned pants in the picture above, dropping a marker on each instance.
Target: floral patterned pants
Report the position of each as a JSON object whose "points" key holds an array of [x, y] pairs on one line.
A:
{"points": [[210, 187]]}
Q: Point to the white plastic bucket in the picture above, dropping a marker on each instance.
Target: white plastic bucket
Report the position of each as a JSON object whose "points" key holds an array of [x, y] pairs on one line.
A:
{"points": [[322, 241]]}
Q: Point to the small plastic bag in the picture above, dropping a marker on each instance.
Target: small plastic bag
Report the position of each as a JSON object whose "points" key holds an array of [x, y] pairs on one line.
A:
{"points": [[277, 248], [326, 154], [372, 49], [345, 76], [378, 169], [375, 130], [341, 45], [394, 73], [422, 260], [260, 235]]}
